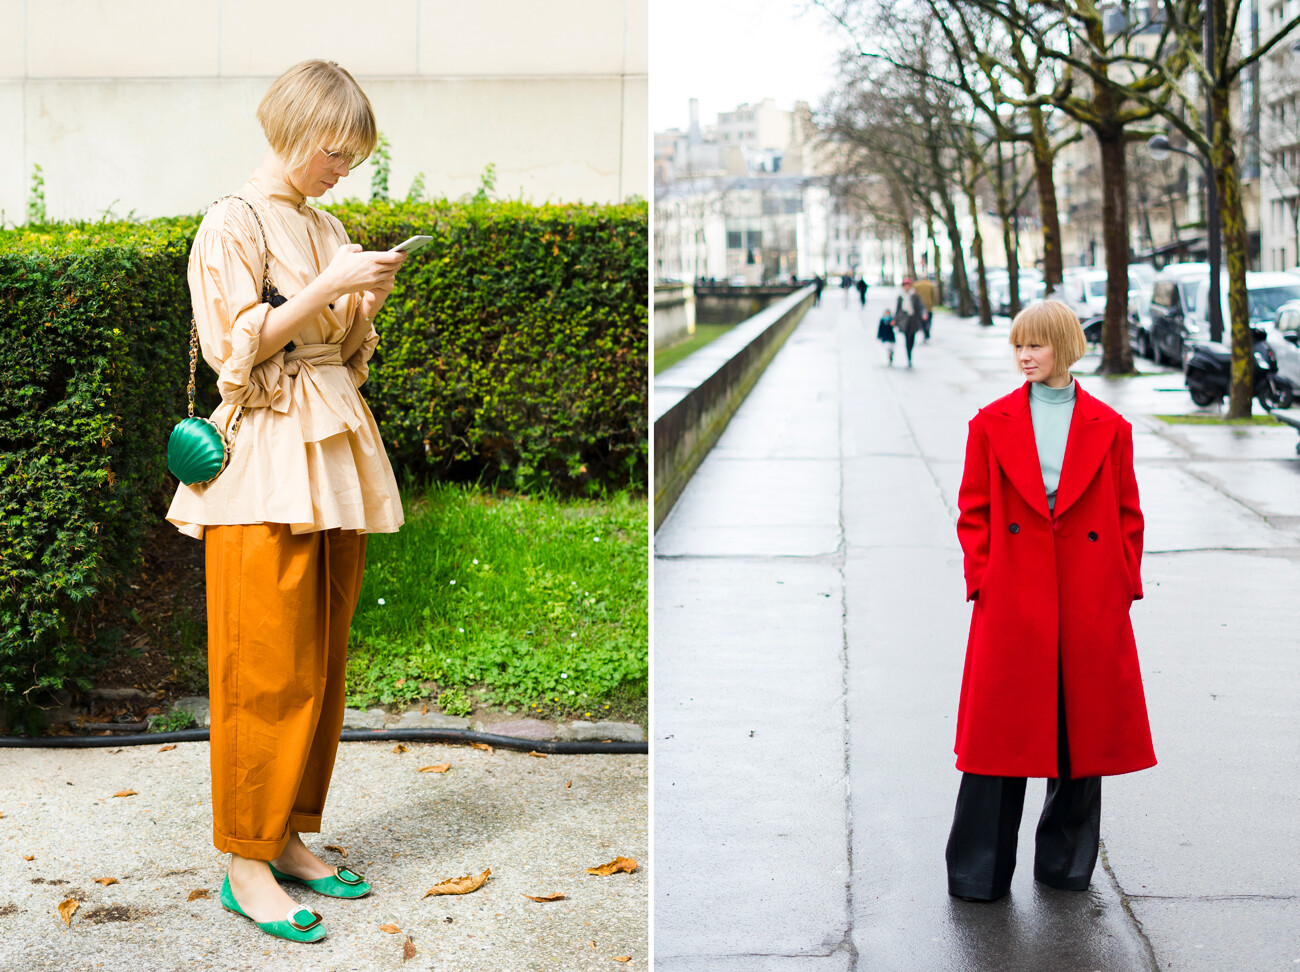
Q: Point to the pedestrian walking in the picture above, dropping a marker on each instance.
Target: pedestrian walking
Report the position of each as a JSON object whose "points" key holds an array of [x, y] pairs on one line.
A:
{"points": [[819, 282], [926, 318], [846, 285], [862, 292], [908, 313], [885, 334], [284, 525], [1051, 533]]}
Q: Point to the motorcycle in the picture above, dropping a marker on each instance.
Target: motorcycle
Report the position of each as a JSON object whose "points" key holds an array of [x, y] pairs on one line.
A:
{"points": [[1208, 370]]}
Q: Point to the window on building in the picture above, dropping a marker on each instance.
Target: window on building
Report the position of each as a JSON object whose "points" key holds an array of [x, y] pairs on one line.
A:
{"points": [[735, 240]]}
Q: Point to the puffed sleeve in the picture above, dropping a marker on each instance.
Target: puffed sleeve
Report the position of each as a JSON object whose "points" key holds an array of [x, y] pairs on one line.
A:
{"points": [[973, 505], [225, 276], [359, 364]]}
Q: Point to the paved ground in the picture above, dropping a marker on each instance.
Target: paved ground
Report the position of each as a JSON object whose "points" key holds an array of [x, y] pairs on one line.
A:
{"points": [[810, 625], [537, 823]]}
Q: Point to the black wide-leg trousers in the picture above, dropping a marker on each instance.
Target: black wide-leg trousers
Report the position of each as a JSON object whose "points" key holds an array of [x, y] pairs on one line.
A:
{"points": [[982, 845]]}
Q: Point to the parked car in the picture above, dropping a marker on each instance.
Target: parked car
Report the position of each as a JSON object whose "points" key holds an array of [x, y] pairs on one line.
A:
{"points": [[1180, 302], [1084, 289], [1173, 321]]}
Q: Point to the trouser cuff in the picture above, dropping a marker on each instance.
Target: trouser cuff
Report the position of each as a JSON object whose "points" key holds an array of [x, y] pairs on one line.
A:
{"points": [[304, 823], [252, 848]]}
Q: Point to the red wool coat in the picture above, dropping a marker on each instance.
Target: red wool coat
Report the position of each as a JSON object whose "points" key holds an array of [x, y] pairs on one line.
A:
{"points": [[1051, 589]]}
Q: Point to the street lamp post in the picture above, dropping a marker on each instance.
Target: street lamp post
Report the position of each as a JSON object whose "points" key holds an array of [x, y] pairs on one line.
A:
{"points": [[1159, 148]]}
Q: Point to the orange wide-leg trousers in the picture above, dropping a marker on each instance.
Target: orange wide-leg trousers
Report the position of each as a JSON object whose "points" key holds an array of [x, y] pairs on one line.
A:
{"points": [[279, 608]]}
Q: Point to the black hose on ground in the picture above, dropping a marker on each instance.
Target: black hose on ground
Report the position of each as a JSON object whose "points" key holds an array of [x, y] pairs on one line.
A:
{"points": [[550, 747]]}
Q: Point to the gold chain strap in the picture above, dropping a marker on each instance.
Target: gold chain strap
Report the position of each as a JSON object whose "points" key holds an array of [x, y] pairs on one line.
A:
{"points": [[194, 327]]}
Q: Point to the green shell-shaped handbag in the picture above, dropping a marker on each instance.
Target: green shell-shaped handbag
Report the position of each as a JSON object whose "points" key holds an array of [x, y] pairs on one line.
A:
{"points": [[197, 452]]}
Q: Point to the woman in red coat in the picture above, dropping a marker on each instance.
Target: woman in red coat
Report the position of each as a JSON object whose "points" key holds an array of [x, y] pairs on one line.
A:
{"points": [[1052, 536]]}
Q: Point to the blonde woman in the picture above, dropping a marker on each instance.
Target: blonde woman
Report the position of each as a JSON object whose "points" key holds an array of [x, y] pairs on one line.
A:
{"points": [[1051, 530], [285, 525]]}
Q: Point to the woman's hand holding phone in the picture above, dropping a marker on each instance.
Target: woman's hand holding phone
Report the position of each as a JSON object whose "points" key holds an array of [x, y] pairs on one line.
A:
{"points": [[354, 270]]}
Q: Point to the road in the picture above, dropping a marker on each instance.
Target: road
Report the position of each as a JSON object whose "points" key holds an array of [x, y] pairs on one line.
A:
{"points": [[810, 626]]}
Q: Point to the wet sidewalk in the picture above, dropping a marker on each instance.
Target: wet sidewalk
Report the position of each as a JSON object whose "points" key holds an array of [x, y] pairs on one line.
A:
{"points": [[810, 627], [537, 823]]}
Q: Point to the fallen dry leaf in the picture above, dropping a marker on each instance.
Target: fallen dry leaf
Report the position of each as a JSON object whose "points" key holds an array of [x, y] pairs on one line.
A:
{"points": [[557, 896], [106, 881], [391, 929], [198, 893], [66, 909], [408, 949], [622, 958], [163, 749], [533, 752], [337, 850], [125, 793], [400, 748], [614, 866], [483, 746], [437, 768], [424, 710], [29, 857], [460, 885], [568, 783]]}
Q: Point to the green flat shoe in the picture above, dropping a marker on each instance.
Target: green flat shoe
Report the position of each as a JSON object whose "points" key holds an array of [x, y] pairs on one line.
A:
{"points": [[335, 886], [291, 929]]}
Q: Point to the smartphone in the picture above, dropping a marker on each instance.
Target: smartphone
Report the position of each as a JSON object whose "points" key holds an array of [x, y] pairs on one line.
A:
{"points": [[413, 244]]}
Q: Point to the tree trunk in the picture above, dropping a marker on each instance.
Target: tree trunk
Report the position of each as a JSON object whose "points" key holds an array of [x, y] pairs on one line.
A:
{"points": [[1116, 357], [965, 306], [1008, 244], [1053, 261], [1232, 214], [909, 246], [977, 248]]}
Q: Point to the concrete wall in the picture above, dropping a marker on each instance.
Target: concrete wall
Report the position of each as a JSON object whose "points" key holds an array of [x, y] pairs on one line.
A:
{"points": [[695, 398], [149, 105], [674, 318]]}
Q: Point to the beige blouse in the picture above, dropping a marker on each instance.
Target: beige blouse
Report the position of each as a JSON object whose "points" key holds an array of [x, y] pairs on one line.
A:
{"points": [[308, 451]]}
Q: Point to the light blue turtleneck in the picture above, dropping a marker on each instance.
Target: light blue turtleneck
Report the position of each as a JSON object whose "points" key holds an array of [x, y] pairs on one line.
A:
{"points": [[1051, 410]]}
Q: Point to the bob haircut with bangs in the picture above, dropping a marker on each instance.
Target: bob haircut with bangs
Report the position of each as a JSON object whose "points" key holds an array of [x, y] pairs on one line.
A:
{"points": [[317, 105], [1053, 324]]}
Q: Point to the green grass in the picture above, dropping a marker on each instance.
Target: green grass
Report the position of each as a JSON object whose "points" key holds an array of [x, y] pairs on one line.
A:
{"points": [[519, 603], [704, 333], [1217, 420]]}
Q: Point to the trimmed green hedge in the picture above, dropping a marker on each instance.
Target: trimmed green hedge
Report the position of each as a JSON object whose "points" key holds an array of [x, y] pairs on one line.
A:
{"points": [[513, 351], [95, 319], [515, 345]]}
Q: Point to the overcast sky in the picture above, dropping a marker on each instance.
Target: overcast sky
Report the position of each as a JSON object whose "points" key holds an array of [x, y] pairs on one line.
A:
{"points": [[726, 52]]}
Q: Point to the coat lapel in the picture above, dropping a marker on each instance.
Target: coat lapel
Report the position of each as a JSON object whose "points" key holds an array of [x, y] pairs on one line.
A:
{"points": [[1011, 437], [1092, 430]]}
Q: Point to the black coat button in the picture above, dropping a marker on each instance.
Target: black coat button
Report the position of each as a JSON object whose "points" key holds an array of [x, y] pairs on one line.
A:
{"points": [[1092, 535], [1014, 528]]}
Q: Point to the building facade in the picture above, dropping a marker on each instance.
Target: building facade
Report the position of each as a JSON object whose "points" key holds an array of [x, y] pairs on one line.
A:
{"points": [[148, 107]]}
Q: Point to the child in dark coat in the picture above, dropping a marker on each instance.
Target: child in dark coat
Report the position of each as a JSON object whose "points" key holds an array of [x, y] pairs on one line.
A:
{"points": [[885, 333]]}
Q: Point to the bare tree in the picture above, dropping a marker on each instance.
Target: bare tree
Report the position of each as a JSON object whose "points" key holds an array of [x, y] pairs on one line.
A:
{"points": [[905, 127], [1196, 62]]}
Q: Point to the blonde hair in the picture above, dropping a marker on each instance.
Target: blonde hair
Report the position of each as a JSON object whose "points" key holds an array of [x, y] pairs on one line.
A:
{"points": [[313, 103], [1051, 323]]}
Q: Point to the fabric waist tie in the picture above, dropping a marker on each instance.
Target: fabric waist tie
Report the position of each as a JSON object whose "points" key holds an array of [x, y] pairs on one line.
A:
{"points": [[326, 398]]}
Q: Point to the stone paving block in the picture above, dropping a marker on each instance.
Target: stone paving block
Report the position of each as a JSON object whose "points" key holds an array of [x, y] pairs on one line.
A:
{"points": [[520, 728], [413, 719], [370, 719], [597, 731], [196, 705]]}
